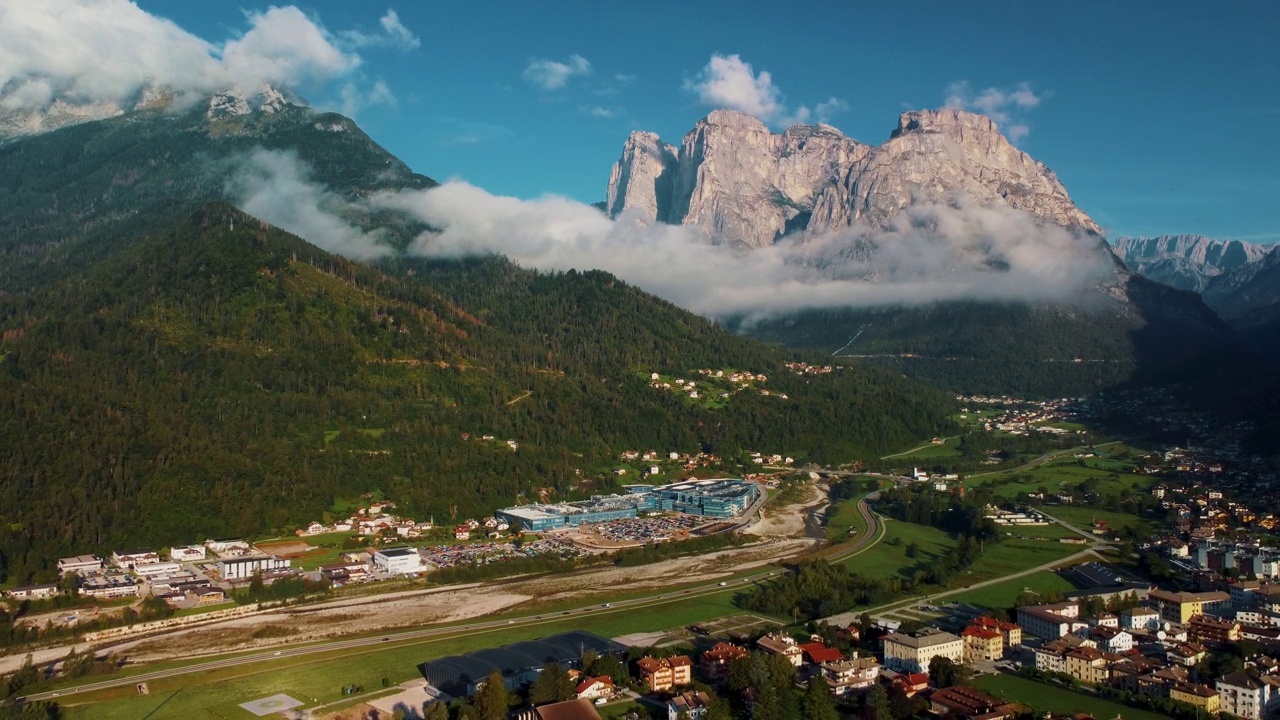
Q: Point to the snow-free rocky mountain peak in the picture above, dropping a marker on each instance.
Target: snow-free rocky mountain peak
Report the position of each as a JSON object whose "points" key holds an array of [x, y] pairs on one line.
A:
{"points": [[67, 111], [740, 183], [1187, 262]]}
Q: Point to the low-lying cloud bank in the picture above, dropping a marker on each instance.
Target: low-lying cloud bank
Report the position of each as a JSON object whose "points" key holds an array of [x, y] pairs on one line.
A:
{"points": [[930, 252]]}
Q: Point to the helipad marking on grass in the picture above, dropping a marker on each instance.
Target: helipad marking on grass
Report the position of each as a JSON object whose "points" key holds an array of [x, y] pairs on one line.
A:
{"points": [[269, 705]]}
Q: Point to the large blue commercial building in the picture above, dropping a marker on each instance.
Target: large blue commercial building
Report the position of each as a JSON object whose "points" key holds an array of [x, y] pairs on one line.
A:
{"points": [[720, 498]]}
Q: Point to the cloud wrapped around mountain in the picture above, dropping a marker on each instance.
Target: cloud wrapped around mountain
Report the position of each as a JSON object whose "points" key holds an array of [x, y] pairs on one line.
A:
{"points": [[108, 50], [930, 252]]}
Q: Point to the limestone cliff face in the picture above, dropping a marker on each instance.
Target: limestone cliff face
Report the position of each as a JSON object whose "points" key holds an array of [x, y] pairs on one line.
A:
{"points": [[741, 183], [731, 177]]}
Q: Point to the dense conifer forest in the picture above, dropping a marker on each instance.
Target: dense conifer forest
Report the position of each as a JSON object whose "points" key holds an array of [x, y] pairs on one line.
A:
{"points": [[213, 376]]}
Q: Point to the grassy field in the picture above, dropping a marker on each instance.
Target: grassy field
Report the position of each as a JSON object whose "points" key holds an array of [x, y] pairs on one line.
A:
{"points": [[889, 556], [319, 679], [1012, 556], [1003, 594], [1043, 698], [1112, 470], [1084, 517]]}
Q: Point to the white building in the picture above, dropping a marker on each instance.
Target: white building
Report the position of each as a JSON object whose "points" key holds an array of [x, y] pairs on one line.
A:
{"points": [[80, 564], [105, 588], [1243, 696], [32, 592], [912, 653], [398, 561], [1139, 618], [157, 569], [131, 560], [190, 553], [1050, 622], [244, 568]]}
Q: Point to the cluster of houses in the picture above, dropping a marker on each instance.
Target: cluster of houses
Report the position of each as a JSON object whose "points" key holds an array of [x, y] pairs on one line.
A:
{"points": [[1022, 417], [186, 577], [370, 521], [905, 666], [1153, 649], [740, 381], [803, 368]]}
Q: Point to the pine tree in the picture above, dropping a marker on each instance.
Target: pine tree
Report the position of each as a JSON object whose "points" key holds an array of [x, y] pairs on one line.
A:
{"points": [[817, 703], [492, 702]]}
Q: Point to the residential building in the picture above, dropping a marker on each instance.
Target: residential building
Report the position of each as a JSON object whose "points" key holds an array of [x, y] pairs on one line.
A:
{"points": [[1110, 639], [1179, 607], [1139, 618], [662, 674], [595, 687], [208, 595], [1160, 682], [850, 676], [398, 561], [80, 564], [1243, 696], [714, 663], [1052, 656], [688, 705], [1186, 654], [108, 587], [1088, 664], [157, 569], [912, 653], [245, 568], [577, 709], [1196, 695], [968, 702], [1050, 622], [782, 645], [131, 560], [982, 644], [190, 553], [1011, 632], [32, 592], [816, 653], [1209, 629]]}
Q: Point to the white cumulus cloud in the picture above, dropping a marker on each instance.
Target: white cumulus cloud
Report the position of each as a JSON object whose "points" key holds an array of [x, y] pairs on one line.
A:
{"points": [[108, 50], [728, 81], [1006, 106], [553, 74]]}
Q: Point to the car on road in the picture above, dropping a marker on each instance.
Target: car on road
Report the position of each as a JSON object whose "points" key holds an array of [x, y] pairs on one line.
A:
{"points": [[385, 639], [276, 653], [607, 605]]}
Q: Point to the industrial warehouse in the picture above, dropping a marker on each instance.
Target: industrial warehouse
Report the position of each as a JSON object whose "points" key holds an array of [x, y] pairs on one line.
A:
{"points": [[713, 498]]}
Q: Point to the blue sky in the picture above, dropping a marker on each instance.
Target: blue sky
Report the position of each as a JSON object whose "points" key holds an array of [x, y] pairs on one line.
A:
{"points": [[1159, 117]]}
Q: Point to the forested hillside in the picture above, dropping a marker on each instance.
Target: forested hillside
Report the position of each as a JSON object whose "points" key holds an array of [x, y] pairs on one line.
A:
{"points": [[199, 373]]}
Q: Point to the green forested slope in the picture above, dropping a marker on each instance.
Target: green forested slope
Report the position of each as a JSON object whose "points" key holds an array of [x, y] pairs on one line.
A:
{"points": [[207, 375]]}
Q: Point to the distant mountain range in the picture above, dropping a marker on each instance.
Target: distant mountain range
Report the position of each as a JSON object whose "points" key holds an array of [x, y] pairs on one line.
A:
{"points": [[1187, 262]]}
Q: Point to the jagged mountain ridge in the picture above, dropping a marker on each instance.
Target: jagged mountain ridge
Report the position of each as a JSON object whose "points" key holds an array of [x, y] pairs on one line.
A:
{"points": [[1187, 262], [738, 182]]}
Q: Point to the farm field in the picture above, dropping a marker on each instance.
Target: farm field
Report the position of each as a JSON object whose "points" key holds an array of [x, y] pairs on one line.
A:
{"points": [[1112, 474], [1043, 698]]}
